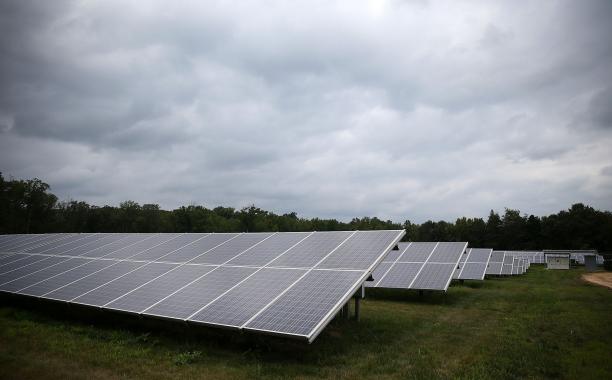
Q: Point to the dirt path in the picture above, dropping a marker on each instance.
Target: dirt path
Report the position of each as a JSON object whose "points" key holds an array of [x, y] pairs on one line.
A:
{"points": [[600, 278]]}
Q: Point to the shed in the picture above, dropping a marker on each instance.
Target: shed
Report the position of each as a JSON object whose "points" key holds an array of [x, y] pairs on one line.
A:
{"points": [[558, 261]]}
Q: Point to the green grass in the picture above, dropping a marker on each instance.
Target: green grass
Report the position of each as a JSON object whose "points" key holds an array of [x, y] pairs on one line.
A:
{"points": [[545, 324]]}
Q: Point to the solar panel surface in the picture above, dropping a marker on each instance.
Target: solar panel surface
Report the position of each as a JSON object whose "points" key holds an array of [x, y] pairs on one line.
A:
{"points": [[473, 264], [419, 265], [289, 284], [507, 265]]}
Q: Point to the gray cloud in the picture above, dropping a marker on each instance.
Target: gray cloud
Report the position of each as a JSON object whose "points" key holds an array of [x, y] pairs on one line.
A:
{"points": [[395, 109]]}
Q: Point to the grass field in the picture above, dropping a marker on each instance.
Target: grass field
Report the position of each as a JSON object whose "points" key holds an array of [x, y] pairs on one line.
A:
{"points": [[544, 324]]}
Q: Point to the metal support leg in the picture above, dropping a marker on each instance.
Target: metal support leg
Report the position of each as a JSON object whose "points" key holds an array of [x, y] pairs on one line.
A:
{"points": [[346, 311], [357, 308]]}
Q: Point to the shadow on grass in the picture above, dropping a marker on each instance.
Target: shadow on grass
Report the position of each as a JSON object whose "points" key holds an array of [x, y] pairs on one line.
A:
{"points": [[340, 337], [411, 296]]}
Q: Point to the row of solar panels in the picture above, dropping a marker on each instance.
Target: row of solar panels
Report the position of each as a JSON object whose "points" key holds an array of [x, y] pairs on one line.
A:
{"points": [[506, 263], [433, 265], [290, 284]]}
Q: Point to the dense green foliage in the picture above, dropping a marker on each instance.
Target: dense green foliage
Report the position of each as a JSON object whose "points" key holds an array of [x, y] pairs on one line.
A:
{"points": [[542, 325], [27, 206]]}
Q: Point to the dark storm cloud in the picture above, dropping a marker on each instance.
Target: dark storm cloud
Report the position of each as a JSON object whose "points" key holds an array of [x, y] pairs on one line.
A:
{"points": [[395, 109]]}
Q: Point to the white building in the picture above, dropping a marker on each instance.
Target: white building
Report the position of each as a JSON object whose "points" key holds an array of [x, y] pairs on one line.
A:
{"points": [[558, 261]]}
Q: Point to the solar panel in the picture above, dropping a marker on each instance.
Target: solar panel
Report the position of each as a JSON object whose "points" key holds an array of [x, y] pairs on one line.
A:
{"points": [[496, 263], [515, 265], [105, 293], [244, 300], [41, 275], [307, 304], [288, 284], [198, 247], [192, 297], [507, 265], [66, 245], [231, 248], [473, 264], [38, 241], [158, 288], [420, 265]]}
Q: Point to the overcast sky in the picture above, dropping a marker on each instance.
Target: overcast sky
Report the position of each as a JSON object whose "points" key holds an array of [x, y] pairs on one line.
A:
{"points": [[398, 109]]}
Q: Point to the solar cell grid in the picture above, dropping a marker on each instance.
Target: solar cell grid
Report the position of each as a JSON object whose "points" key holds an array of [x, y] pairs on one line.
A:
{"points": [[378, 273], [148, 242], [122, 285], [31, 268], [64, 246], [100, 241], [242, 302], [434, 276], [401, 275], [507, 265], [21, 261], [447, 252], [311, 250], [194, 296], [39, 242], [41, 275], [156, 289], [393, 255], [359, 250], [475, 265], [10, 243], [474, 271], [197, 248], [494, 268], [480, 255], [91, 281], [122, 242], [269, 249], [53, 243], [61, 279], [10, 257], [417, 252], [299, 310], [231, 248], [423, 266], [164, 249]]}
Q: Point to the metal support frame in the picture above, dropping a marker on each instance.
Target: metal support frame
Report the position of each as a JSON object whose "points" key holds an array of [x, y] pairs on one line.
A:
{"points": [[357, 308], [346, 311]]}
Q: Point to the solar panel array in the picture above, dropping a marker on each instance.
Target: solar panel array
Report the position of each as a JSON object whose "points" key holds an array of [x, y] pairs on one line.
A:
{"points": [[533, 257], [473, 264], [506, 263], [419, 265], [288, 283]]}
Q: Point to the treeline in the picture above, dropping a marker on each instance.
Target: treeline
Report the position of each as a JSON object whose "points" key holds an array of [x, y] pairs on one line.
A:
{"points": [[28, 206]]}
